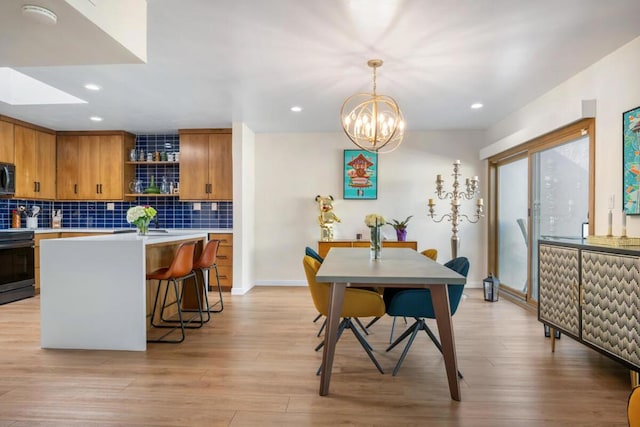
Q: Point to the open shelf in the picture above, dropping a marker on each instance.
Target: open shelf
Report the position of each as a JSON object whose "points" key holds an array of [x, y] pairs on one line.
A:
{"points": [[151, 195]]}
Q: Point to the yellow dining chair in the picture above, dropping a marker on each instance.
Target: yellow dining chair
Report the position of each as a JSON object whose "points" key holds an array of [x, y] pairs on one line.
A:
{"points": [[357, 303], [430, 253], [633, 407]]}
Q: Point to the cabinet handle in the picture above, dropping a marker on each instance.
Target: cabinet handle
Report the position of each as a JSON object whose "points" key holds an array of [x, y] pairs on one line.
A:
{"points": [[38, 186], [581, 296], [97, 188], [222, 257], [75, 188], [100, 188], [35, 187]]}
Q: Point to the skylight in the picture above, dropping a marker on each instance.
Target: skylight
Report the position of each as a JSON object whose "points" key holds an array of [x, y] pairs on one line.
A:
{"points": [[19, 89]]}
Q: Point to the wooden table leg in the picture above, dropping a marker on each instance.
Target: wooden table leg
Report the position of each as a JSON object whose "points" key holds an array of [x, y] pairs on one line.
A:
{"points": [[336, 298], [440, 298]]}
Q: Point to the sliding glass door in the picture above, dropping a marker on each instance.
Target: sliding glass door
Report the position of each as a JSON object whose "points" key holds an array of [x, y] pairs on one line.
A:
{"points": [[560, 196], [542, 189]]}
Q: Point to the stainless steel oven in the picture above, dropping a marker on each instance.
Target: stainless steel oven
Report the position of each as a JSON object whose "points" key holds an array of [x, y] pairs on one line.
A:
{"points": [[7, 179], [17, 268]]}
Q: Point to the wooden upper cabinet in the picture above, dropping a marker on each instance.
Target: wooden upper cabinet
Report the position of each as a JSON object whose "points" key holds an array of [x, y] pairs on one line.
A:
{"points": [[206, 165], [35, 159], [93, 165], [6, 142]]}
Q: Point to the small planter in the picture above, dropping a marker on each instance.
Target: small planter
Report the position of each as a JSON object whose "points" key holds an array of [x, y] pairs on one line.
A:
{"points": [[402, 235]]}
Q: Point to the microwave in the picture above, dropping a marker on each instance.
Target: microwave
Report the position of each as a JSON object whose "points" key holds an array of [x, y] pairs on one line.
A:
{"points": [[7, 179]]}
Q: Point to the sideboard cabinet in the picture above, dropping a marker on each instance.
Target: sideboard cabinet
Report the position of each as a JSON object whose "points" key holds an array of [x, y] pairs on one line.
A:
{"points": [[592, 295], [323, 246]]}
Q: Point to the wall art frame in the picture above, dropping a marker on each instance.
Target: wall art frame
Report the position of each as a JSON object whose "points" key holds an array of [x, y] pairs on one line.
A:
{"points": [[360, 175], [631, 161]]}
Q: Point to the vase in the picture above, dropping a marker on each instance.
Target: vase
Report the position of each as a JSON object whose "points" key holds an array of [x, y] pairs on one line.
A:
{"points": [[375, 244], [143, 227], [402, 235]]}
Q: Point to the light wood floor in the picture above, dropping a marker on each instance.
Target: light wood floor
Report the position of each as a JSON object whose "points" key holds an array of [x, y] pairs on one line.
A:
{"points": [[254, 365]]}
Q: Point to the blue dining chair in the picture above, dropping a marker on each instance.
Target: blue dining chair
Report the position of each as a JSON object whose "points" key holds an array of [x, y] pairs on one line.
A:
{"points": [[417, 303]]}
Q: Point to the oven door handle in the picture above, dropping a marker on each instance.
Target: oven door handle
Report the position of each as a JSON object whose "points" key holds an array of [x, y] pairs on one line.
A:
{"points": [[15, 245]]}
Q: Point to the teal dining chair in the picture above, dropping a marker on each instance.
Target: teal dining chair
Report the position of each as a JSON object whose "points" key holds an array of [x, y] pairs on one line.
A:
{"points": [[417, 303]]}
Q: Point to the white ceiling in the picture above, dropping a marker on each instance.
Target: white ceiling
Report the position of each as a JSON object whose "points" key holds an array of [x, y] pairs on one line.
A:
{"points": [[211, 62]]}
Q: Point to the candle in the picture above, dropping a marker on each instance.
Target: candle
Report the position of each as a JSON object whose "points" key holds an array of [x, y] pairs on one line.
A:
{"points": [[439, 178], [610, 224], [431, 202], [456, 162], [624, 224], [480, 202], [475, 178]]}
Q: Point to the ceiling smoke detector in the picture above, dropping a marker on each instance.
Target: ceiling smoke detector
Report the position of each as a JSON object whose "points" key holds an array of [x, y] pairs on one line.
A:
{"points": [[39, 14]]}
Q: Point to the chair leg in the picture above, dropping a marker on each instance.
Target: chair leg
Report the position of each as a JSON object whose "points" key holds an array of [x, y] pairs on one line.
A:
{"points": [[365, 345], [341, 328], [406, 348], [364, 329], [317, 317], [405, 334], [215, 268], [179, 302], [206, 302], [322, 327], [370, 324], [436, 342]]}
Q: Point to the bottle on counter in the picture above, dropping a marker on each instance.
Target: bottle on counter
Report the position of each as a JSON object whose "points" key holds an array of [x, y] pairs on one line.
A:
{"points": [[15, 219]]}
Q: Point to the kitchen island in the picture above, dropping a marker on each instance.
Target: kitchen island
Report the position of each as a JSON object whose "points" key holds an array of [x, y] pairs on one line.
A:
{"points": [[93, 290]]}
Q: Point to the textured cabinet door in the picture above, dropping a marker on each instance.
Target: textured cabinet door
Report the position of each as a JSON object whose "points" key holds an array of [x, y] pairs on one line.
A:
{"points": [[46, 165], [67, 170], [111, 162], [610, 303], [559, 288], [194, 166], [25, 159], [220, 167], [6, 142]]}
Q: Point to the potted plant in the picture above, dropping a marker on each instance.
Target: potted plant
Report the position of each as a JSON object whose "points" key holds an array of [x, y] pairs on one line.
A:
{"points": [[401, 228]]}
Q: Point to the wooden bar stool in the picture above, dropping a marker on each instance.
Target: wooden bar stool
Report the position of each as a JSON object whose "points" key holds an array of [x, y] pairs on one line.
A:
{"points": [[181, 268], [206, 262]]}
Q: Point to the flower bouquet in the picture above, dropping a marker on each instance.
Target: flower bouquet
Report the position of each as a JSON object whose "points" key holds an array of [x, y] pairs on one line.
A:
{"points": [[141, 216], [375, 222]]}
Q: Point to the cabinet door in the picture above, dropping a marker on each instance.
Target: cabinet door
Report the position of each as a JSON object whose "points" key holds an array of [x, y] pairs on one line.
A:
{"points": [[89, 167], [220, 167], [559, 288], [68, 166], [610, 303], [25, 160], [111, 158], [6, 142], [194, 166], [46, 165]]}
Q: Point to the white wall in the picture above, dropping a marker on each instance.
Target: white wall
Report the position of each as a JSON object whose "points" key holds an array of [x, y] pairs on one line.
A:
{"points": [[613, 82], [244, 211], [291, 169]]}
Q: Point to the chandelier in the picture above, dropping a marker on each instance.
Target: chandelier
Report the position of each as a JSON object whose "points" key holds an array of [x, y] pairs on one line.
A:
{"points": [[373, 122]]}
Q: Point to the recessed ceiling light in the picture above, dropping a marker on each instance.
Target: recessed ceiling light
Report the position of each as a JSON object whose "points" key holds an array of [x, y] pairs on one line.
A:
{"points": [[39, 14], [92, 86], [296, 109], [96, 118], [476, 105]]}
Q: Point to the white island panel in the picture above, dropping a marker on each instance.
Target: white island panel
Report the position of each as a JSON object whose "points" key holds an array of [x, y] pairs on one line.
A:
{"points": [[93, 290]]}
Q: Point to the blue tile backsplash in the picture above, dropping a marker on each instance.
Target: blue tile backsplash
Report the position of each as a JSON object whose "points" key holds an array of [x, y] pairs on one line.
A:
{"points": [[172, 213]]}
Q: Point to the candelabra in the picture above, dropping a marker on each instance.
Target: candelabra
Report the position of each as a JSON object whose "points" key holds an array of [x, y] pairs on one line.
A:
{"points": [[456, 195]]}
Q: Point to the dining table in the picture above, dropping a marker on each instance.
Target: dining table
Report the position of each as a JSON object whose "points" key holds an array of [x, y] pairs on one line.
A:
{"points": [[398, 268]]}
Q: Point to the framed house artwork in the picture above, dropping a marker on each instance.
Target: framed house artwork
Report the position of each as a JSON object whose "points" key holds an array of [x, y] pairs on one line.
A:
{"points": [[631, 161], [360, 175]]}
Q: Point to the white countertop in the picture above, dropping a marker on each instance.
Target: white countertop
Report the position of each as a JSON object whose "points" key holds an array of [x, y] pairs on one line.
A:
{"points": [[149, 239]]}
